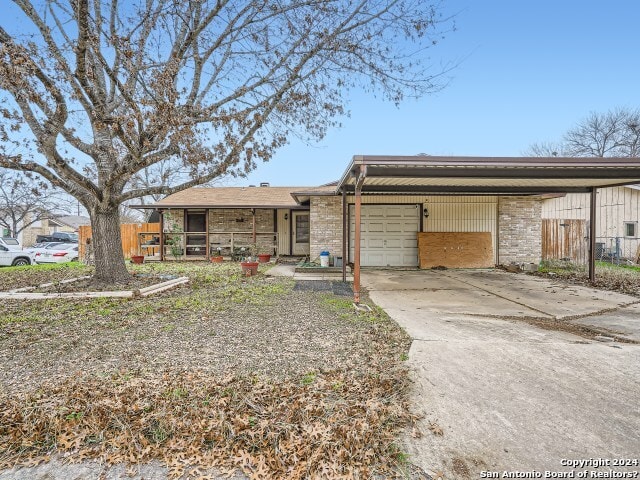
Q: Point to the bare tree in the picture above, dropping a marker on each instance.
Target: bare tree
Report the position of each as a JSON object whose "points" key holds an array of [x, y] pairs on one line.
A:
{"points": [[615, 133], [547, 149], [95, 91], [25, 201]]}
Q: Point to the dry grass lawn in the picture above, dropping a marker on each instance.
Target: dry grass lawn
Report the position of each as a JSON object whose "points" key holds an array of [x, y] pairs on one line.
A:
{"points": [[230, 372]]}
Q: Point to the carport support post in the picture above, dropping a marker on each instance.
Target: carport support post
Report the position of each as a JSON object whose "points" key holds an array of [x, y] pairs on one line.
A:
{"points": [[592, 236], [356, 247], [344, 235]]}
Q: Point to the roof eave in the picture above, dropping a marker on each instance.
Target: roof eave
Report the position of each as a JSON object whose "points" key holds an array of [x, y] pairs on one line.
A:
{"points": [[213, 207]]}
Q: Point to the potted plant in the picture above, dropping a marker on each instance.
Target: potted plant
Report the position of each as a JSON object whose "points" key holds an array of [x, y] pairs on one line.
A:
{"points": [[248, 264], [137, 259], [217, 258], [264, 257]]}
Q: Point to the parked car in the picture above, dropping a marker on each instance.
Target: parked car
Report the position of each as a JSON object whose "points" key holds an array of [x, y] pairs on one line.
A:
{"points": [[10, 243], [65, 237], [15, 258], [39, 247], [58, 253]]}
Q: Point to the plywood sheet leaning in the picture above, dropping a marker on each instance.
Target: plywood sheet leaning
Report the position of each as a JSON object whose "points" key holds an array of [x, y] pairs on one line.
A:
{"points": [[455, 249]]}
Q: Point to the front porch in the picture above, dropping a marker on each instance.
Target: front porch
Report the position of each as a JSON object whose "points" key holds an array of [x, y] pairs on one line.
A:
{"points": [[198, 234]]}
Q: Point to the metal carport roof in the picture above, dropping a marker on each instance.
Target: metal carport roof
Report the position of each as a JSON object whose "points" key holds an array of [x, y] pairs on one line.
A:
{"points": [[376, 174], [484, 175]]}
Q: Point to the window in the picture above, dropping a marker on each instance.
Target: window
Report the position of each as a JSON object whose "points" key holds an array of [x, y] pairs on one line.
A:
{"points": [[630, 229]]}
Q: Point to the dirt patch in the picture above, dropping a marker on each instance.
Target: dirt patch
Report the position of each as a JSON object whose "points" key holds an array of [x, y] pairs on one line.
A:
{"points": [[584, 331]]}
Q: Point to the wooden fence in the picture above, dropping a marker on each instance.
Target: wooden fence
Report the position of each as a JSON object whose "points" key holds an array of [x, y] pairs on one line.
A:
{"points": [[130, 237], [565, 240]]}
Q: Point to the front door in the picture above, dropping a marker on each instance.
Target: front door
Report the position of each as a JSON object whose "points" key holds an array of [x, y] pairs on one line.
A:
{"points": [[300, 233]]}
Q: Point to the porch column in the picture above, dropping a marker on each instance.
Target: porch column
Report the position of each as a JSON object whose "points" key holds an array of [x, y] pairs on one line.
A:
{"points": [[592, 236], [206, 237], [345, 254], [161, 223], [356, 248], [253, 228]]}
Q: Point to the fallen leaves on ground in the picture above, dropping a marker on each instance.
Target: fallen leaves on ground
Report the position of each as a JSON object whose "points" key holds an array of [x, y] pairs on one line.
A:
{"points": [[341, 425]]}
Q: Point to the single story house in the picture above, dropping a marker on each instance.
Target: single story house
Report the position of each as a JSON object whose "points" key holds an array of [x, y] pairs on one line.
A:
{"points": [[47, 226], [392, 211]]}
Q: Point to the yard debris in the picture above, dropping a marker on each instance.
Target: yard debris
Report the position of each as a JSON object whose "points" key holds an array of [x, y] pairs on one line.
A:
{"points": [[435, 429], [362, 308], [192, 421], [608, 277], [191, 380], [603, 338]]}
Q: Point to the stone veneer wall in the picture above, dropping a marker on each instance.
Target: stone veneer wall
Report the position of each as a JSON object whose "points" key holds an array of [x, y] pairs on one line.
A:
{"points": [[520, 230], [325, 225], [225, 220]]}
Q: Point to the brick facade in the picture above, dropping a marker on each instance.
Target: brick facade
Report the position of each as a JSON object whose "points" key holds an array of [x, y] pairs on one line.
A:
{"points": [[241, 220], [326, 225], [520, 230]]}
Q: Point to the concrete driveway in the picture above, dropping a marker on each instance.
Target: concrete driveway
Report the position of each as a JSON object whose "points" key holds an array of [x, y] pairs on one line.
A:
{"points": [[508, 395]]}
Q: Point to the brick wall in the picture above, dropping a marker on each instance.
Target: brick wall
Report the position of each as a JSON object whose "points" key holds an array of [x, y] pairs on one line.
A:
{"points": [[326, 225], [226, 220], [520, 229], [173, 220]]}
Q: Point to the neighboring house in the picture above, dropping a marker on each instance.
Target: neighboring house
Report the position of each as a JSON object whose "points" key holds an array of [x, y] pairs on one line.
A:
{"points": [[63, 223], [466, 212], [566, 221]]}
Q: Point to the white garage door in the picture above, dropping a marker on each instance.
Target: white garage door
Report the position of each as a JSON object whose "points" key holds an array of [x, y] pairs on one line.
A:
{"points": [[389, 235]]}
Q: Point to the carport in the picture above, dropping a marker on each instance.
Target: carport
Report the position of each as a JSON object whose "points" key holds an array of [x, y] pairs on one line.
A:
{"points": [[505, 176]]}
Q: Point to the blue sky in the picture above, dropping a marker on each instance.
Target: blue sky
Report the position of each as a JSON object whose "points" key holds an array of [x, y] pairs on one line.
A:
{"points": [[528, 71]]}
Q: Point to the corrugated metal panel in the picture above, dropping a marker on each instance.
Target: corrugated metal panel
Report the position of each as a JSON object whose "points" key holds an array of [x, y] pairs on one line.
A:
{"points": [[284, 236], [408, 199]]}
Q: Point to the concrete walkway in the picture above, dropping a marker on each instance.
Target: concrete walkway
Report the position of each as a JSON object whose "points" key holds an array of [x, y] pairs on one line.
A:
{"points": [[507, 395]]}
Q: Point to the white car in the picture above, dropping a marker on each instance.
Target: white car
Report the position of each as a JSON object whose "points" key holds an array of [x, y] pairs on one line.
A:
{"points": [[58, 253], [15, 258], [10, 243], [40, 247]]}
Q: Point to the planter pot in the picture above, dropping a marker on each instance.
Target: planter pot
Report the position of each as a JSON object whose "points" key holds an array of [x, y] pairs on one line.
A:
{"points": [[249, 268], [264, 257], [137, 259], [216, 259]]}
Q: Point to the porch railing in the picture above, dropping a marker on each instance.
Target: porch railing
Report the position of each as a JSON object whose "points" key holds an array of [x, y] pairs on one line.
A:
{"points": [[193, 245]]}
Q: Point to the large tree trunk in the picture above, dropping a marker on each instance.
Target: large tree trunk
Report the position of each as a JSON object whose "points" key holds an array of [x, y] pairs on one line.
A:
{"points": [[107, 247]]}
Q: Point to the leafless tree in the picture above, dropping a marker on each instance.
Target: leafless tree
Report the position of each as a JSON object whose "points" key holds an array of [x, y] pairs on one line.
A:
{"points": [[25, 200], [95, 91], [546, 149], [615, 133]]}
